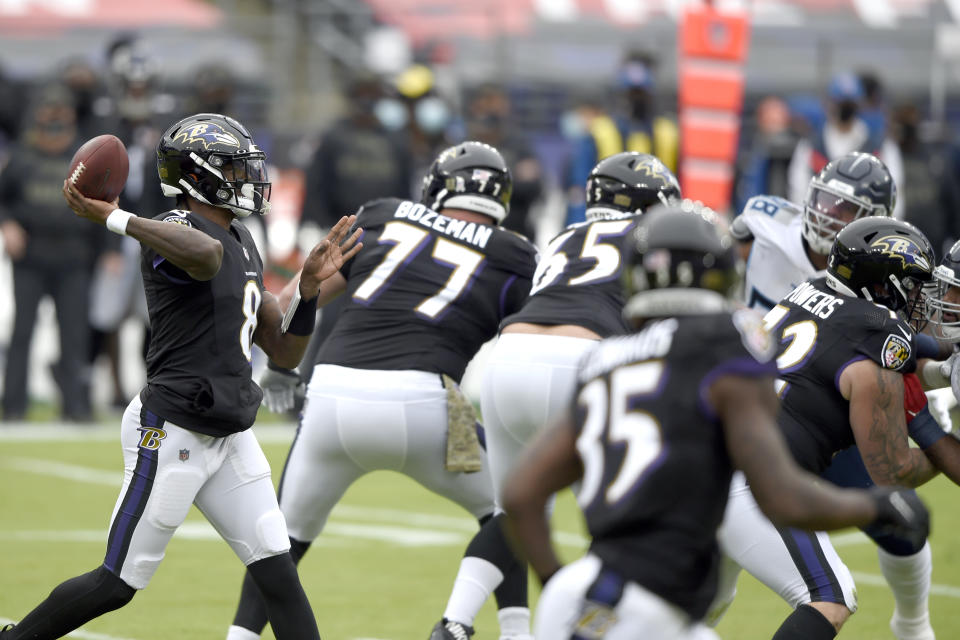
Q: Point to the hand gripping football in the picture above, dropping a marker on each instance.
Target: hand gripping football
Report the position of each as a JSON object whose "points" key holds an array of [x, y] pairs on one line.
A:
{"points": [[99, 168]]}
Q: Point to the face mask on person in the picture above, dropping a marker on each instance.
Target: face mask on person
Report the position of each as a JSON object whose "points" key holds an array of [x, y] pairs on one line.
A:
{"points": [[846, 111], [391, 114], [572, 125], [432, 115]]}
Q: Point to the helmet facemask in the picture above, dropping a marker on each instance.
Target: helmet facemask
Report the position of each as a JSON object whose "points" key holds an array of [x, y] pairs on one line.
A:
{"points": [[828, 210], [907, 298], [244, 188], [943, 304]]}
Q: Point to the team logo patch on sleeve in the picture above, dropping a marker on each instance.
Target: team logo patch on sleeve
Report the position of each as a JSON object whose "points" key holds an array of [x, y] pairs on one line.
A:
{"points": [[178, 218], [896, 352]]}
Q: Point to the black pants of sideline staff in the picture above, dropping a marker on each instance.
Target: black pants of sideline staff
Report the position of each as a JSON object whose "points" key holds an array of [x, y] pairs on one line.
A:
{"points": [[69, 286]]}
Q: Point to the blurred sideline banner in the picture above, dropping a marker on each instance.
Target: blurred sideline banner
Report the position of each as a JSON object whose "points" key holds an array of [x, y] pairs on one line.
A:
{"points": [[45, 16], [713, 52]]}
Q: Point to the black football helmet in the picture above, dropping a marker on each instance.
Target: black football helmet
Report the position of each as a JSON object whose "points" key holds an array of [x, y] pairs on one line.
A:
{"points": [[852, 187], [471, 176], [213, 158], [943, 297], [886, 261], [678, 260], [628, 183]]}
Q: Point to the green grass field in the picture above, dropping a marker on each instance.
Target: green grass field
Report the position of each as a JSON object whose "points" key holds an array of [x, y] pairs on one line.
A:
{"points": [[382, 569]]}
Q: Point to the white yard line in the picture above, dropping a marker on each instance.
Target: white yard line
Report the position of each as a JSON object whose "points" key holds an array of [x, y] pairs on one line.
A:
{"points": [[279, 433], [402, 528], [44, 467], [420, 528]]}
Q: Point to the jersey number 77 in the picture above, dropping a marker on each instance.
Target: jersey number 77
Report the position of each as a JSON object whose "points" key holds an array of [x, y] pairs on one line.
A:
{"points": [[407, 240]]}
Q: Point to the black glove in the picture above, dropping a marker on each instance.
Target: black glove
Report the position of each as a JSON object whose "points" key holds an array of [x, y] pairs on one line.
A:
{"points": [[901, 513]]}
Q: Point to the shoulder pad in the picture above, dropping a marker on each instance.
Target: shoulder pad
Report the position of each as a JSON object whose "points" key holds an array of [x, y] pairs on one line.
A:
{"points": [[878, 316], [377, 204], [522, 254]]}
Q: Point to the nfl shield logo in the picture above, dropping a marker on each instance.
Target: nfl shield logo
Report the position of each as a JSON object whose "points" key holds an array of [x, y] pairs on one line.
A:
{"points": [[184, 455]]}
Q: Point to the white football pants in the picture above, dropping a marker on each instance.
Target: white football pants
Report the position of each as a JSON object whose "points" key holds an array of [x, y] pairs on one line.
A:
{"points": [[166, 469], [361, 420], [640, 614], [529, 380], [799, 566]]}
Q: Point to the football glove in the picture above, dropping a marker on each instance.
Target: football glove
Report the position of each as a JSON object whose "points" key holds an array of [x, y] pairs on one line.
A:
{"points": [[951, 367], [281, 388], [940, 402], [901, 513]]}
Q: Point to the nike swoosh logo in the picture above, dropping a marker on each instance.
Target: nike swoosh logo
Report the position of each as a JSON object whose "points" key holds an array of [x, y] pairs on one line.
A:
{"points": [[906, 334], [913, 414]]}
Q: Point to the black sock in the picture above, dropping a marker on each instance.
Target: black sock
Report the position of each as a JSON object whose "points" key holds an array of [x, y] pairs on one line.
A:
{"points": [[282, 605], [491, 544], [805, 623], [72, 604]]}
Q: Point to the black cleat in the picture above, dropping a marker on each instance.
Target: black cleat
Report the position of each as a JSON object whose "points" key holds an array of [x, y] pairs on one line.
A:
{"points": [[450, 630]]}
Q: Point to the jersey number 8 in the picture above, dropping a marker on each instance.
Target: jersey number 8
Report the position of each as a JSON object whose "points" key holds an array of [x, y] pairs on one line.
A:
{"points": [[250, 305]]}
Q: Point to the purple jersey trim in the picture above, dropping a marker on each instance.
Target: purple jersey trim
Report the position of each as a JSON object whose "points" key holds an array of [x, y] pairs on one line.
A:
{"points": [[736, 367], [843, 367], [159, 260], [818, 574], [503, 294]]}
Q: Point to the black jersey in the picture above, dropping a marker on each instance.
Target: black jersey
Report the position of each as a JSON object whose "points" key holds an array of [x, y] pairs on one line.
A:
{"points": [[656, 468], [198, 364], [821, 333], [426, 291], [578, 279]]}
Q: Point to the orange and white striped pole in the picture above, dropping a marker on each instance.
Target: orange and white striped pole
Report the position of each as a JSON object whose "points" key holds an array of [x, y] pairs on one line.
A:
{"points": [[713, 52]]}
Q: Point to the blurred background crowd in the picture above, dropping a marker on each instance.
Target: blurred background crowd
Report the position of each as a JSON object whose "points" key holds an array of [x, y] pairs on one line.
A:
{"points": [[352, 99]]}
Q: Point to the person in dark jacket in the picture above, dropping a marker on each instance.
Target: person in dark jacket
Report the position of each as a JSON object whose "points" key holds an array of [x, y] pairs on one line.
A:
{"points": [[52, 252]]}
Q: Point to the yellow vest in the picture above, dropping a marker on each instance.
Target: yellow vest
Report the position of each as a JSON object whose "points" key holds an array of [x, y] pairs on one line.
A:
{"points": [[607, 138]]}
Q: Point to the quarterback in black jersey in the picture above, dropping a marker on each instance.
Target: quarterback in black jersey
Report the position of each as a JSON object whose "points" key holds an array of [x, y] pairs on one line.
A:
{"points": [[433, 283], [692, 388], [186, 437]]}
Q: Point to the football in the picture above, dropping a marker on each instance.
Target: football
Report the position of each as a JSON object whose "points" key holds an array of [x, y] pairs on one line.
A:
{"points": [[99, 168]]}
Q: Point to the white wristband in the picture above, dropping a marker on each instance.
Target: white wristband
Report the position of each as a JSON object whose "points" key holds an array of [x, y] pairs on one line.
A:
{"points": [[117, 221]]}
